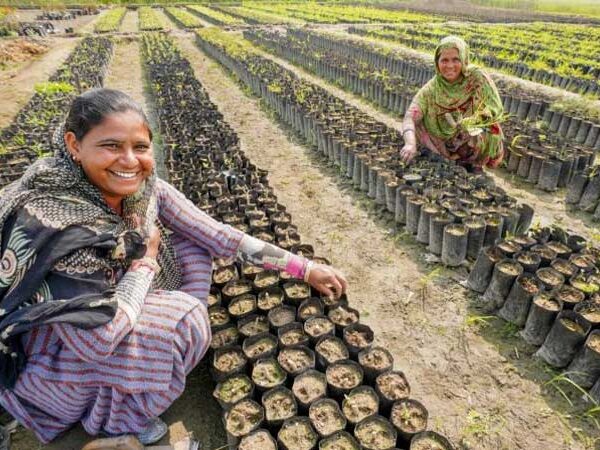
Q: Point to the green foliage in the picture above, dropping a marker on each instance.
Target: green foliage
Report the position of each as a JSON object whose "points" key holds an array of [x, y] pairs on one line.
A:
{"points": [[218, 17], [110, 20], [53, 88], [183, 17], [149, 19]]}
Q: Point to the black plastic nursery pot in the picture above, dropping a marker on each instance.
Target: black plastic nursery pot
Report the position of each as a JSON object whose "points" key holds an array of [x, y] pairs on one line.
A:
{"points": [[476, 235], [493, 229], [428, 210], [409, 417], [391, 386], [297, 433], [341, 440], [227, 361], [317, 327], [259, 346], [234, 289], [330, 349], [481, 273], [258, 439], [279, 404], [265, 280], [269, 299], [504, 275], [454, 245], [326, 417], [590, 311], [267, 374], [375, 361], [233, 389], [540, 319], [529, 260], [562, 266], [414, 203], [428, 440], [564, 339], [225, 337], [242, 306], [342, 377], [518, 302], [360, 403], [280, 316], [296, 292], [343, 316], [296, 359], [292, 334], [584, 370], [252, 325], [551, 279], [376, 433], [310, 308], [357, 337], [437, 225], [308, 387], [241, 419]]}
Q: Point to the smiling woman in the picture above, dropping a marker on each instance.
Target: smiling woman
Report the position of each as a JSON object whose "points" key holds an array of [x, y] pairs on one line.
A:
{"points": [[102, 312]]}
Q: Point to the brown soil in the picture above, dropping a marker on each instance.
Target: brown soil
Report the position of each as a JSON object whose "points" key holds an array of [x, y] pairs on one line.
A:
{"points": [[293, 337], [375, 435], [582, 261], [267, 301], [508, 247], [318, 326], [571, 325], [343, 376], [267, 374], [375, 358], [224, 337], [266, 279], [297, 290], [256, 326], [261, 440], [218, 316], [339, 442], [224, 274], [393, 385], [243, 417], [455, 230], [309, 387], [332, 350], [282, 317], [342, 316], [237, 288], [250, 270], [550, 276], [260, 347], [564, 267], [15, 51], [570, 295], [294, 359], [233, 389], [309, 310], [229, 360], [298, 436], [279, 406], [360, 339], [594, 342], [558, 247], [545, 301], [326, 417], [360, 405], [509, 268], [526, 258], [529, 285], [409, 417], [242, 305], [591, 312], [212, 300]]}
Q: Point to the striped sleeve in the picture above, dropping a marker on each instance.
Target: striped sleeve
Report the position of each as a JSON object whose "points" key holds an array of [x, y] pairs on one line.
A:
{"points": [[98, 343], [182, 217]]}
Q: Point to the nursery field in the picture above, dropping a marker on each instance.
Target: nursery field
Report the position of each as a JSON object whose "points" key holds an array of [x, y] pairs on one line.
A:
{"points": [[472, 318]]}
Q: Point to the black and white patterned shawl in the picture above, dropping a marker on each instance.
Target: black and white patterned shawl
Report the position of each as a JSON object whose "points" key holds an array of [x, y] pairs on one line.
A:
{"points": [[63, 249]]}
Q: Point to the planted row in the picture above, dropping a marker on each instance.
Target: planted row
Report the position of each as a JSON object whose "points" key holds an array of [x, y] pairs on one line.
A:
{"points": [[214, 16], [149, 19], [547, 283], [110, 21], [29, 136], [183, 18], [261, 382], [255, 17]]}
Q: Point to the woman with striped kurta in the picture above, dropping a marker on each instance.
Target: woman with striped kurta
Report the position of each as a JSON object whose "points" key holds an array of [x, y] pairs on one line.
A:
{"points": [[102, 313]]}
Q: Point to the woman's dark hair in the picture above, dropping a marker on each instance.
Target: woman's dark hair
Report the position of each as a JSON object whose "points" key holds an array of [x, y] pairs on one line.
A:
{"points": [[92, 107]]}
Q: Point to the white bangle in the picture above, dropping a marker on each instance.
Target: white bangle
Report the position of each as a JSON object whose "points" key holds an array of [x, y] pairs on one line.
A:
{"points": [[307, 269]]}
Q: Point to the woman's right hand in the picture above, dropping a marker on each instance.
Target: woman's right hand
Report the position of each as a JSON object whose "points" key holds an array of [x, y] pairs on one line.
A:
{"points": [[408, 152], [153, 243]]}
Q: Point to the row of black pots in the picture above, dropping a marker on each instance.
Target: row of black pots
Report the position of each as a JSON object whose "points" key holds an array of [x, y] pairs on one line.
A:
{"points": [[377, 170], [583, 192], [548, 286], [26, 138], [274, 332]]}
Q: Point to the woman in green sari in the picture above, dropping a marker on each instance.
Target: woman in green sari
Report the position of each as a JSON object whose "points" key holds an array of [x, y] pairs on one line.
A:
{"points": [[457, 113]]}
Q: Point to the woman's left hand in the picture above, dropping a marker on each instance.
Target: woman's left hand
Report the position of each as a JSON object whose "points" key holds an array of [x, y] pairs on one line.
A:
{"points": [[327, 280]]}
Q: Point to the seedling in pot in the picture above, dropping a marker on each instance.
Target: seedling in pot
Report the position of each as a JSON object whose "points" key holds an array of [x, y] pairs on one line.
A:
{"points": [[318, 326], [358, 337], [296, 292], [309, 387], [342, 316], [409, 417], [343, 376], [252, 325], [258, 440], [326, 417], [360, 403], [376, 433], [374, 362], [297, 434], [228, 361], [234, 289], [292, 334], [270, 298], [233, 389], [267, 374], [224, 274], [310, 308], [225, 337], [295, 360], [341, 440], [244, 417], [279, 404], [242, 306], [218, 316], [266, 280], [259, 346]]}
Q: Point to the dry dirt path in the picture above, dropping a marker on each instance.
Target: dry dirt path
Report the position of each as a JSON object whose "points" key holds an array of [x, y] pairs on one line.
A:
{"points": [[17, 86], [130, 22], [480, 390]]}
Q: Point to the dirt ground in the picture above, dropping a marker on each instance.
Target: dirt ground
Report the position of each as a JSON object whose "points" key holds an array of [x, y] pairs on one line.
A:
{"points": [[79, 23], [476, 377], [130, 22]]}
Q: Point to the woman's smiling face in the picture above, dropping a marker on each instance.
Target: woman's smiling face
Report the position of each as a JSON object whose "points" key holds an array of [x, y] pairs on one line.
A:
{"points": [[450, 65], [116, 155]]}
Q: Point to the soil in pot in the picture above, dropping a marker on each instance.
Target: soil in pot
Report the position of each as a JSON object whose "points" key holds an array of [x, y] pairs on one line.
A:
{"points": [[295, 360], [226, 336], [281, 315], [232, 390], [253, 325], [341, 440], [376, 433], [228, 361], [590, 311], [259, 346], [218, 316], [564, 267], [279, 404], [296, 292], [481, 273], [319, 326], [504, 275], [258, 440], [269, 299], [584, 263], [358, 337], [564, 339], [267, 374], [429, 440], [569, 296], [243, 417], [214, 297], [297, 434], [266, 279], [343, 376], [310, 308], [360, 403], [542, 314], [225, 274], [584, 370], [292, 334], [235, 289], [391, 386], [562, 250], [342, 316], [326, 417], [250, 271], [242, 306], [374, 362], [309, 387], [409, 417], [331, 303], [550, 278], [330, 349]]}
